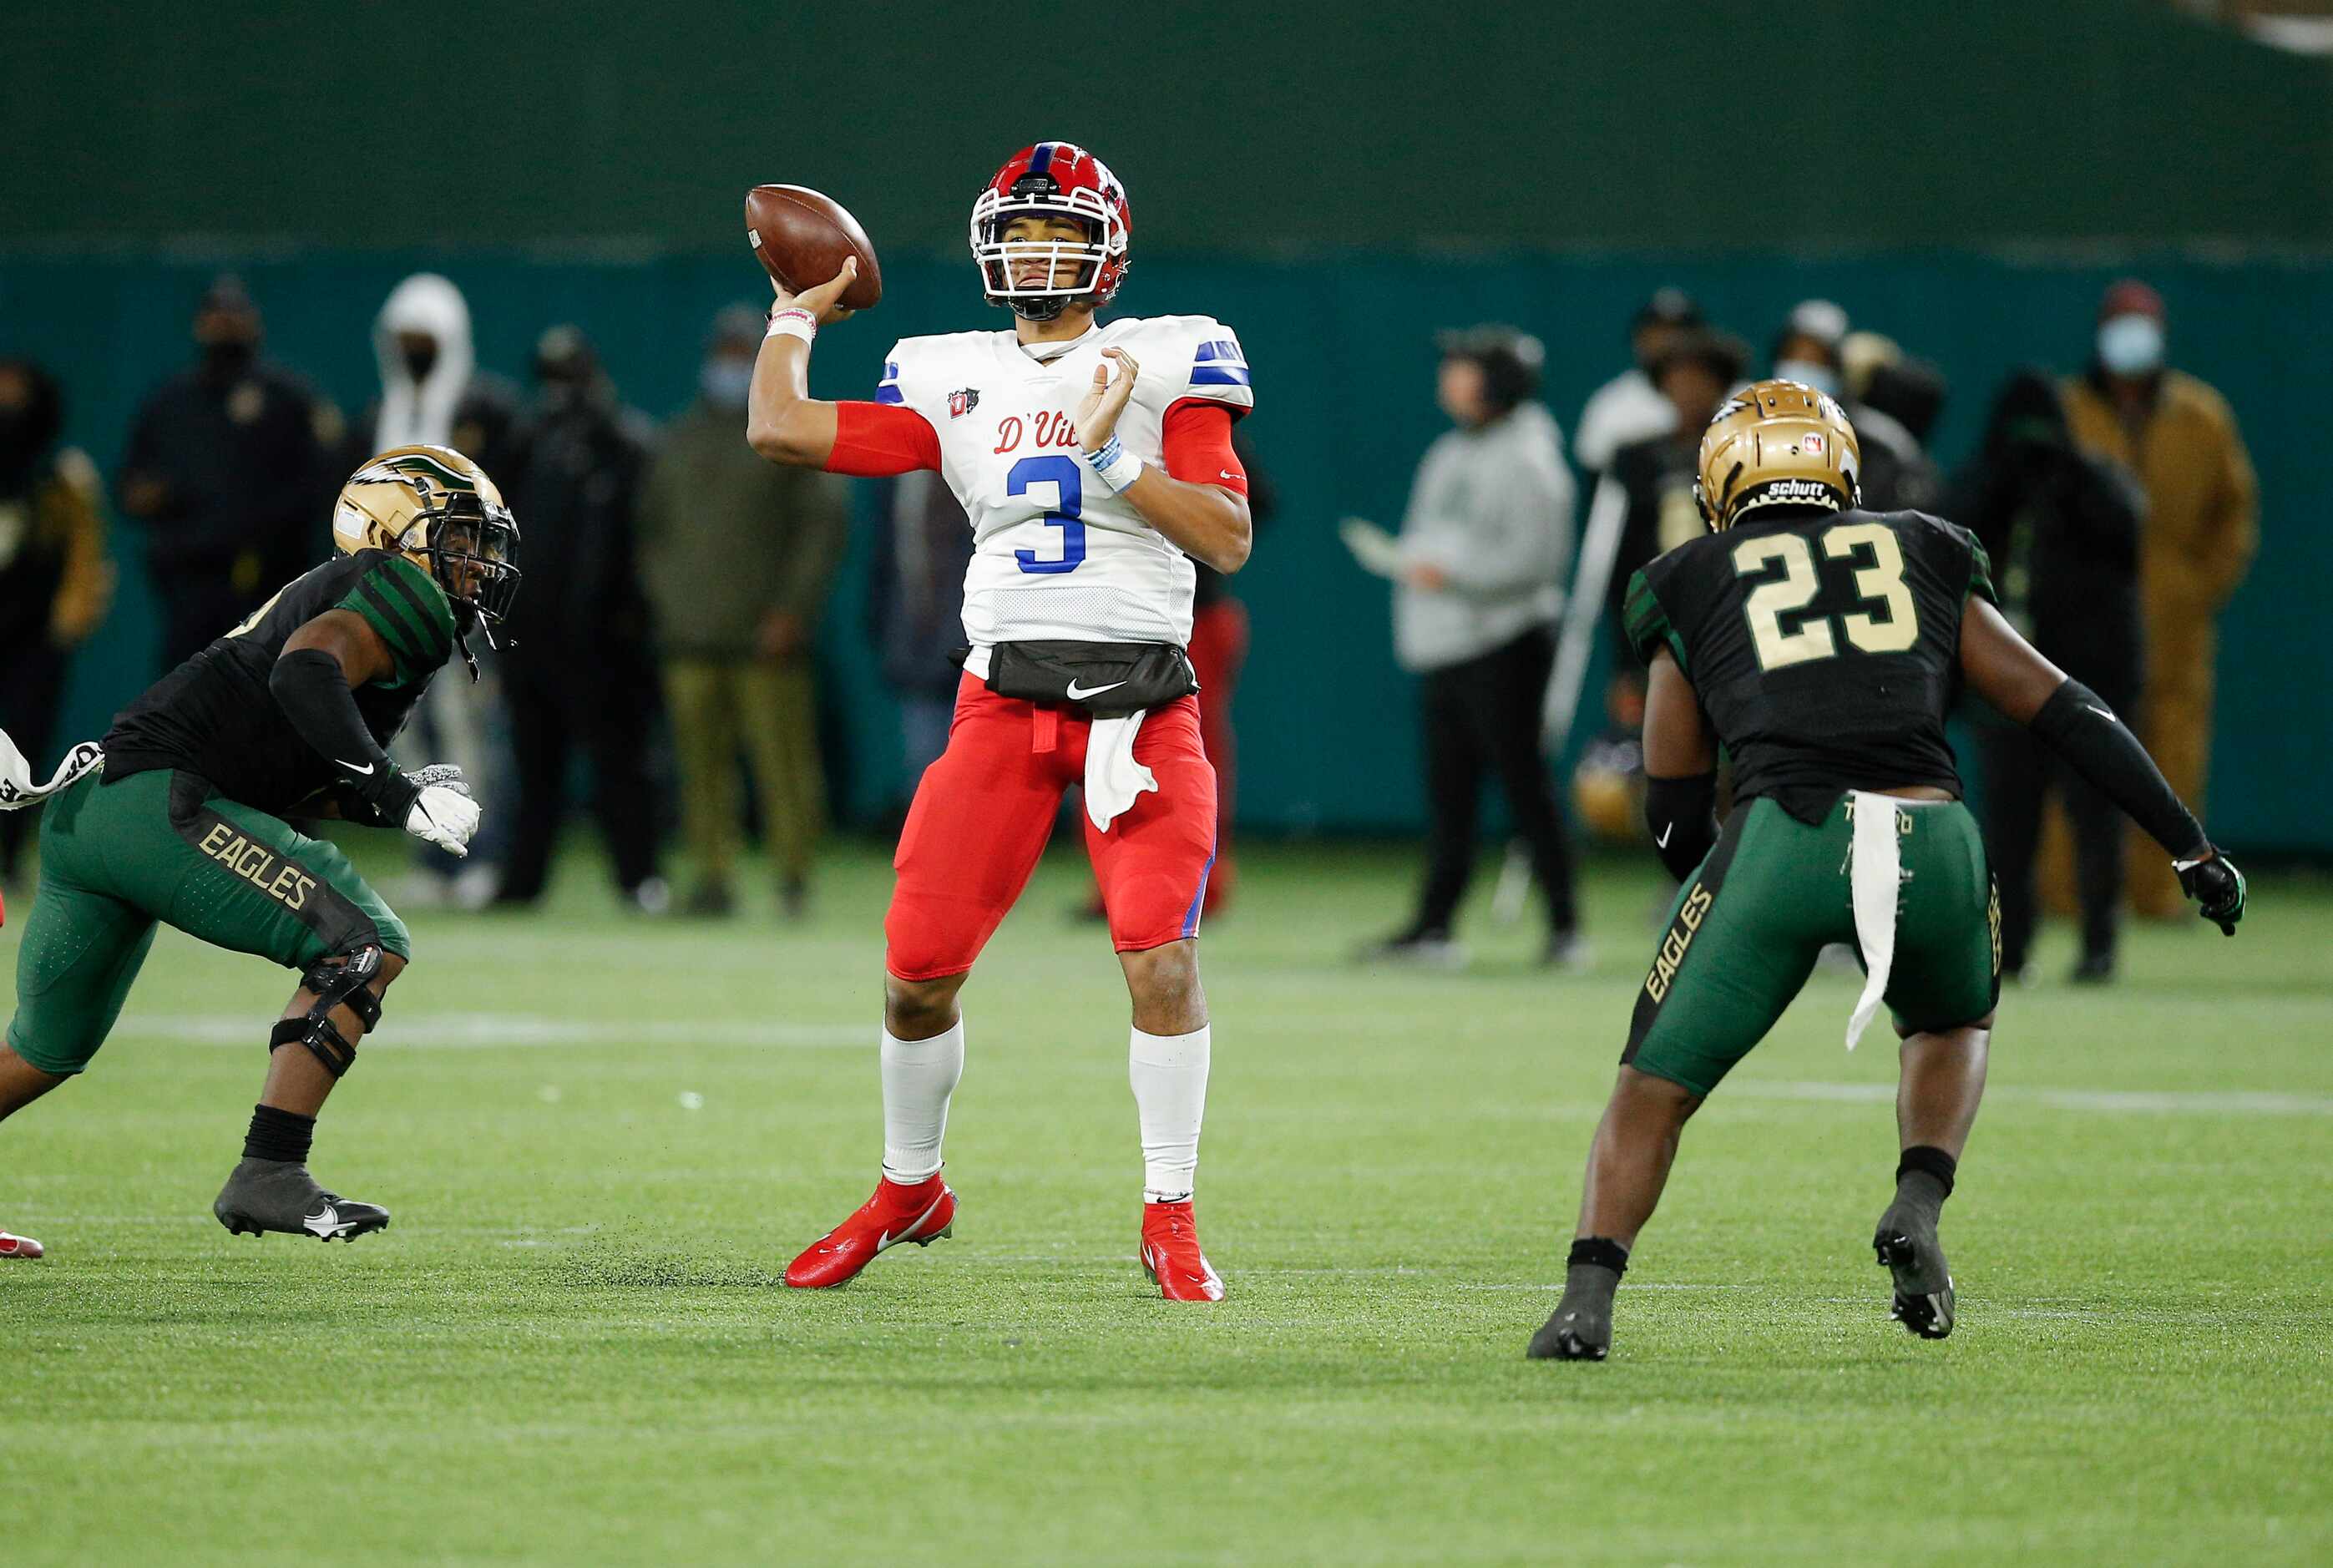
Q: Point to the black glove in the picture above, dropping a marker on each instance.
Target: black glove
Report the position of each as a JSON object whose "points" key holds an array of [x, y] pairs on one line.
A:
{"points": [[2217, 886]]}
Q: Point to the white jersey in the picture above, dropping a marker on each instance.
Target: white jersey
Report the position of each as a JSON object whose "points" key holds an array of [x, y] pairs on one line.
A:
{"points": [[1056, 557]]}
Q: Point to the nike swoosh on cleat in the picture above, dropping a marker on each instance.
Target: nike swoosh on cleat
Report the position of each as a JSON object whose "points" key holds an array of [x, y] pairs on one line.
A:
{"points": [[1078, 694], [323, 1224], [886, 1239], [1664, 840], [2101, 712]]}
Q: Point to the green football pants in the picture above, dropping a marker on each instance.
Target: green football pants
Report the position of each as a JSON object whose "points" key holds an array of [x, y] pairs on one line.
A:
{"points": [[120, 855], [1746, 926]]}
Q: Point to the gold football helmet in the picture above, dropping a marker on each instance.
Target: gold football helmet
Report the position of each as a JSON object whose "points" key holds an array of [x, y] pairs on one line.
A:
{"points": [[439, 510], [1777, 444]]}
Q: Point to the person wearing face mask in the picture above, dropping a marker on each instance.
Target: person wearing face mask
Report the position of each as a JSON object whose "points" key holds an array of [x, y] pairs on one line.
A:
{"points": [[738, 556], [2202, 527], [225, 469], [55, 581], [433, 393], [577, 666]]}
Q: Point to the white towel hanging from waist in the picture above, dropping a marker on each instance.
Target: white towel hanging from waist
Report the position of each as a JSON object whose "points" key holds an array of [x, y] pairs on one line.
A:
{"points": [[1876, 880], [1113, 778], [17, 789]]}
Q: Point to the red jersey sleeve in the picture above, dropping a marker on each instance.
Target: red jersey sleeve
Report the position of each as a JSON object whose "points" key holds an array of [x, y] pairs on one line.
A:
{"points": [[875, 439], [1196, 437]]}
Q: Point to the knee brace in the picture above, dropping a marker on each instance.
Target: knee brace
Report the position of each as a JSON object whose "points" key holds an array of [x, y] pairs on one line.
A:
{"points": [[336, 983]]}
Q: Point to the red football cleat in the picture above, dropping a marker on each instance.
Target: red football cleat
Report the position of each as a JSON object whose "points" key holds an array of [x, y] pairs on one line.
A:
{"points": [[921, 1214], [18, 1246], [1171, 1254]]}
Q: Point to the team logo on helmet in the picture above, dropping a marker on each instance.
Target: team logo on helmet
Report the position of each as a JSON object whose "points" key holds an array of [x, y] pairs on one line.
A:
{"points": [[438, 509]]}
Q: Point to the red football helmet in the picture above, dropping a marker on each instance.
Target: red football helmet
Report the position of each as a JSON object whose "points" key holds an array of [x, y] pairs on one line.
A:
{"points": [[1052, 180]]}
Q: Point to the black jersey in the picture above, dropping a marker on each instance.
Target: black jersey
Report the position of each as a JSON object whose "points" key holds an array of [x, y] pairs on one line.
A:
{"points": [[214, 715], [1825, 649]]}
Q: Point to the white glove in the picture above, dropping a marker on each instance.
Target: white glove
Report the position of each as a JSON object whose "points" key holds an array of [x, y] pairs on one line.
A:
{"points": [[444, 815]]}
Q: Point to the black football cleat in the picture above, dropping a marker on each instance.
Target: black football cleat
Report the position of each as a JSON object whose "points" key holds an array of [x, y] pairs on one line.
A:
{"points": [[1908, 1250], [1580, 1329], [279, 1195]]}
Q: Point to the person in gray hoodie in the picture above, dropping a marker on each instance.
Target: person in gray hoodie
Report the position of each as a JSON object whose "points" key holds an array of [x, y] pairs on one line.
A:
{"points": [[432, 393], [1482, 550]]}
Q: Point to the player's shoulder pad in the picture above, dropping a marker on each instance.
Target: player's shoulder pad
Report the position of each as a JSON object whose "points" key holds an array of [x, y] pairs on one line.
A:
{"points": [[405, 605], [1948, 547], [1190, 357], [915, 364]]}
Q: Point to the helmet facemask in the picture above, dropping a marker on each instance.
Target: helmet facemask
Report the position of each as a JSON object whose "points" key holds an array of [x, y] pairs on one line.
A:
{"points": [[1000, 258], [471, 544]]}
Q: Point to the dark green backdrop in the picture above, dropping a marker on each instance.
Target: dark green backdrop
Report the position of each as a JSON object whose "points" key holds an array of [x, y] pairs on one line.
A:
{"points": [[1343, 371], [1336, 181]]}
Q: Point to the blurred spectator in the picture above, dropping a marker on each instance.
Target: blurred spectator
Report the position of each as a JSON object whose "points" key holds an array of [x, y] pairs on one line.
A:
{"points": [[54, 579], [1898, 474], [229, 470], [1652, 482], [1219, 639], [2202, 527], [1628, 408], [576, 665], [916, 609], [1481, 556], [2062, 529], [1807, 349], [738, 556], [433, 394]]}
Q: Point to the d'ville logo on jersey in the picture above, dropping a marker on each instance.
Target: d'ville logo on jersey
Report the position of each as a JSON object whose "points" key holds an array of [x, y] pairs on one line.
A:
{"points": [[961, 403]]}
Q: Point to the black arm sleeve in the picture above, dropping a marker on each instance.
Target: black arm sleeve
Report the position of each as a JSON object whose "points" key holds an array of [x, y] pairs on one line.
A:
{"points": [[1681, 814], [312, 689], [2084, 730]]}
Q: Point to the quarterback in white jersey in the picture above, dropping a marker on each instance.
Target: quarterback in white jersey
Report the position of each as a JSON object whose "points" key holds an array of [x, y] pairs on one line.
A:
{"points": [[1095, 462], [1056, 554]]}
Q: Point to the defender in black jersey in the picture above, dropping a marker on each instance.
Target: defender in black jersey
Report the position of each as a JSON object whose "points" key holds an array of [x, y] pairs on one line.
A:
{"points": [[1821, 647], [182, 815]]}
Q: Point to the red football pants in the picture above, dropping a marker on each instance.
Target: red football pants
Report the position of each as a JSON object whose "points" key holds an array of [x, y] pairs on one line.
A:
{"points": [[983, 812]]}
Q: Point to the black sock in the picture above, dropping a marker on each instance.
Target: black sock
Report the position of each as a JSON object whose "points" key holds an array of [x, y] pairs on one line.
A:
{"points": [[275, 1134], [1598, 1251], [1924, 1177]]}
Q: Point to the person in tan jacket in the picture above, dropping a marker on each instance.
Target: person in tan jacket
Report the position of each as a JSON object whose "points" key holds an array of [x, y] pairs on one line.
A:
{"points": [[2196, 541]]}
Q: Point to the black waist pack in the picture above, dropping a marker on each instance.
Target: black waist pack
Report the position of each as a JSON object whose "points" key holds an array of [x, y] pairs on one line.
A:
{"points": [[1107, 679]]}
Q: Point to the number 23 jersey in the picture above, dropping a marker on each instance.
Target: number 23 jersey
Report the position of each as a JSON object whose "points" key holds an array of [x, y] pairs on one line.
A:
{"points": [[1055, 556], [1825, 650]]}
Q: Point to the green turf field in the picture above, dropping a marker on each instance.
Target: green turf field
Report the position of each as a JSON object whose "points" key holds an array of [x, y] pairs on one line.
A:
{"points": [[602, 1139]]}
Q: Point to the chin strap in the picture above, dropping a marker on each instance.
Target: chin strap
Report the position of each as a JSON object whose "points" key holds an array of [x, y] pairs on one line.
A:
{"points": [[336, 983]]}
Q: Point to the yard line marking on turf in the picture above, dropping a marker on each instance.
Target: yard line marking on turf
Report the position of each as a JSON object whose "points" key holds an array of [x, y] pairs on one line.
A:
{"points": [[479, 1031], [2206, 1102]]}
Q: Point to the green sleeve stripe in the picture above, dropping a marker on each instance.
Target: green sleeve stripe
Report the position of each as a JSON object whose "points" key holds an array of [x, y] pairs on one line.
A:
{"points": [[1981, 575], [1647, 624], [427, 603], [385, 618]]}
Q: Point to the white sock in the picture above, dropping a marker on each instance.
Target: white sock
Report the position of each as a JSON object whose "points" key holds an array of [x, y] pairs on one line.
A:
{"points": [[1169, 1073], [919, 1076]]}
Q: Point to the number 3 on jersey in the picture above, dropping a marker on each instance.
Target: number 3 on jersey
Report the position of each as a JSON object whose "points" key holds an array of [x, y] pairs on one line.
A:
{"points": [[1068, 497], [1879, 576]]}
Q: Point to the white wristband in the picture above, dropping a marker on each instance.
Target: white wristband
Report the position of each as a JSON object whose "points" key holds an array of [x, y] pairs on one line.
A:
{"points": [[794, 321], [1114, 465]]}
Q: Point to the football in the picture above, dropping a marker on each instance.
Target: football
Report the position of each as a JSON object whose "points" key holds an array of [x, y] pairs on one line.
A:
{"points": [[803, 237]]}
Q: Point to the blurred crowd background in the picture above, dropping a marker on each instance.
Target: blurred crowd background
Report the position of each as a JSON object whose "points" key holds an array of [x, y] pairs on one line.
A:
{"points": [[2070, 267]]}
